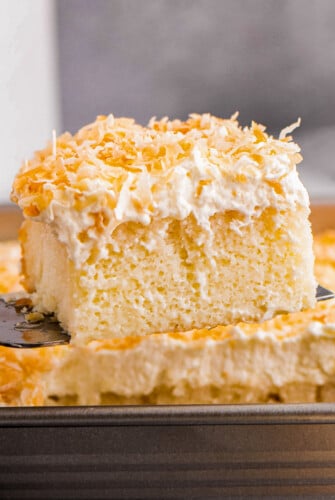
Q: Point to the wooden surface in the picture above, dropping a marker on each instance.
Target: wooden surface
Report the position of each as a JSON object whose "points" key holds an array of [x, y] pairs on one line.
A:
{"points": [[322, 217], [10, 221]]}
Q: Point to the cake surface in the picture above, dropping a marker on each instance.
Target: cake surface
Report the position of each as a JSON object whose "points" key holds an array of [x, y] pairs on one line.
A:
{"points": [[136, 230], [287, 359]]}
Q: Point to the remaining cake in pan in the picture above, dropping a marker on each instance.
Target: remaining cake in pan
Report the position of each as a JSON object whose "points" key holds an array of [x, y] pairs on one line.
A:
{"points": [[287, 359], [181, 225], [9, 266]]}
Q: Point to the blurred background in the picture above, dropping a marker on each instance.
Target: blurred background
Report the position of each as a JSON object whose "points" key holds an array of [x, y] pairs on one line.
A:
{"points": [[62, 62]]}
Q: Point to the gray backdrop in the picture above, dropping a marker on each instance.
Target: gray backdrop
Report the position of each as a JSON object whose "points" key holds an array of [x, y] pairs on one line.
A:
{"points": [[273, 60]]}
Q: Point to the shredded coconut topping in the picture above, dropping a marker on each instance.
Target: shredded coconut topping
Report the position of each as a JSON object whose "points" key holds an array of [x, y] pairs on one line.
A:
{"points": [[115, 170]]}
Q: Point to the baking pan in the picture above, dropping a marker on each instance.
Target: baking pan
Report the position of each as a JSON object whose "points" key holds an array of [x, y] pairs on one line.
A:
{"points": [[168, 452], [151, 452]]}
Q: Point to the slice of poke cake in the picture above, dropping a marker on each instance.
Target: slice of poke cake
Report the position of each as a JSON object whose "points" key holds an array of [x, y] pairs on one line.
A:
{"points": [[134, 230]]}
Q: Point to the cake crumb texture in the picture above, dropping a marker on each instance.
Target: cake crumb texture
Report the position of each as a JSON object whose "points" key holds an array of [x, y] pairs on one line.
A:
{"points": [[160, 277]]}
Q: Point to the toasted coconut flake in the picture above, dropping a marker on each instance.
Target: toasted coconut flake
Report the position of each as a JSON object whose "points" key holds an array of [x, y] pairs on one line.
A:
{"points": [[111, 149], [289, 129]]}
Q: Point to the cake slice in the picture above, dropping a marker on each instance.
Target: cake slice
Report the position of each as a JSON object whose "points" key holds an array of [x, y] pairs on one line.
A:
{"points": [[136, 230]]}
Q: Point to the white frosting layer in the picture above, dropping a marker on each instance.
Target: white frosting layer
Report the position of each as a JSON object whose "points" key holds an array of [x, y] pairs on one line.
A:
{"points": [[173, 194], [97, 181]]}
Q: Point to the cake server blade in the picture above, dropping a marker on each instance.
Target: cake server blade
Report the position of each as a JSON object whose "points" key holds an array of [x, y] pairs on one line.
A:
{"points": [[323, 294], [16, 331]]}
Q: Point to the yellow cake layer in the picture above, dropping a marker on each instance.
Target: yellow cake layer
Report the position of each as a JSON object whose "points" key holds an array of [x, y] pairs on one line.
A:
{"points": [[137, 230], [178, 284], [290, 358]]}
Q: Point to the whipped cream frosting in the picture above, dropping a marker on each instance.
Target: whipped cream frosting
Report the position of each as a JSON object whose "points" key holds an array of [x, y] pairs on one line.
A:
{"points": [[114, 171]]}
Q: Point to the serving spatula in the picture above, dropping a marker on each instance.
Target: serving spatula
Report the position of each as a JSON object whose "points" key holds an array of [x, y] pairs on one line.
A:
{"points": [[21, 328], [17, 331]]}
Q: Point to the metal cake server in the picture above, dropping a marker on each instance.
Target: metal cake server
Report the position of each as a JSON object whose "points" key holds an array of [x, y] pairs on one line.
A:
{"points": [[323, 294], [17, 331], [44, 331]]}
